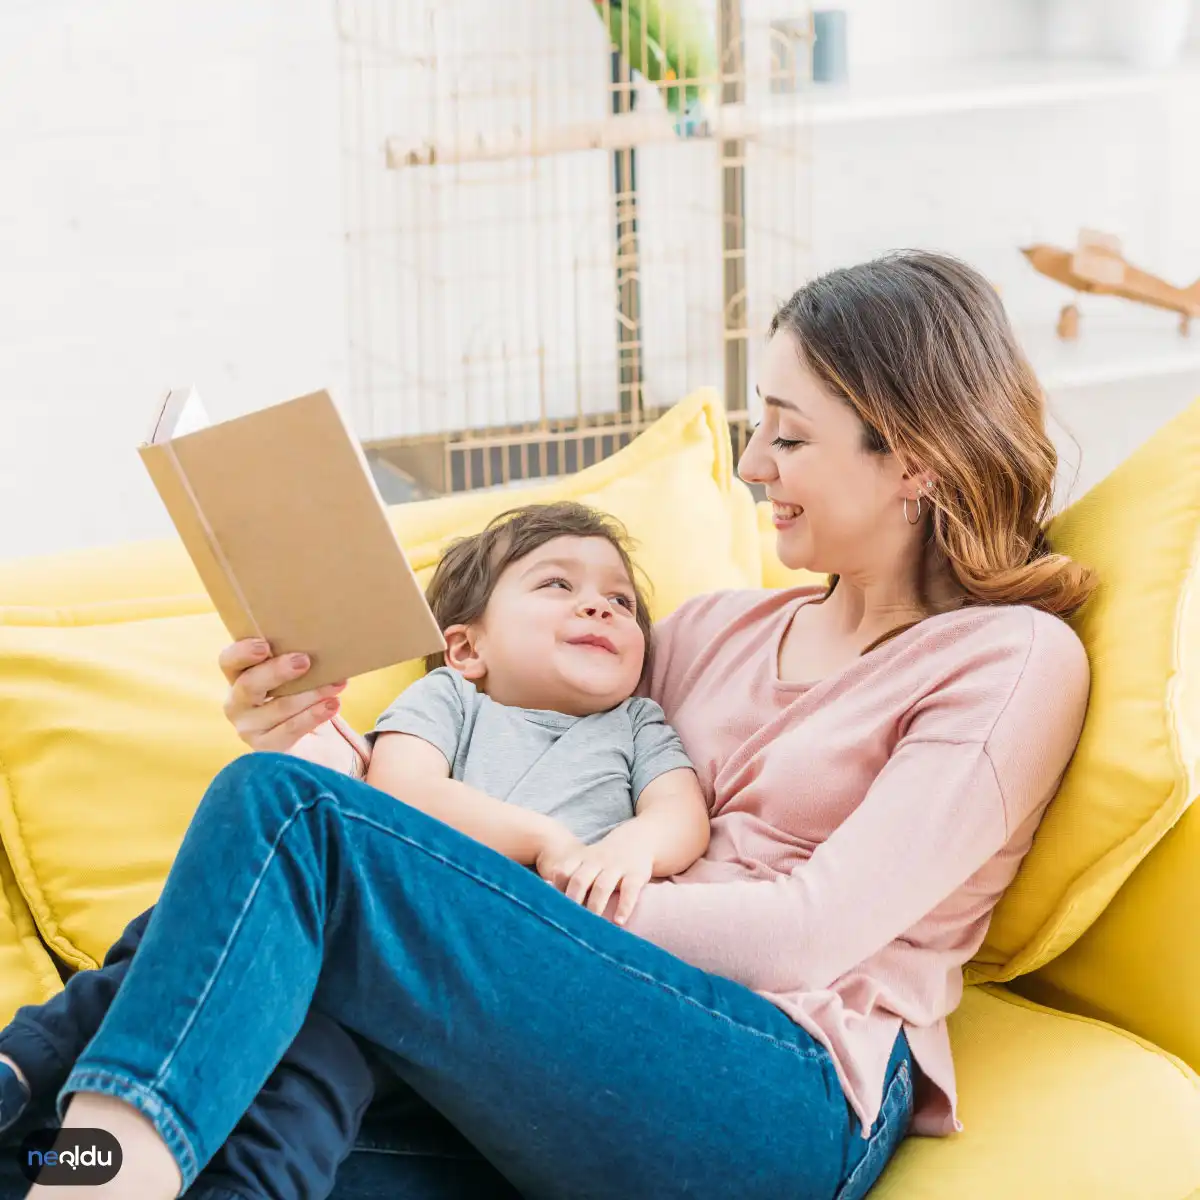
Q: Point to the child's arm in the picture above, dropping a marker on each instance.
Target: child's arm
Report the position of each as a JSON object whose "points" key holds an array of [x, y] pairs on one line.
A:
{"points": [[671, 816], [415, 771], [668, 832], [671, 822]]}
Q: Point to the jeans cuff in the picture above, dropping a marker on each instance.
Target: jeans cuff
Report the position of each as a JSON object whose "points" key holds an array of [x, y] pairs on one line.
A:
{"points": [[103, 1081]]}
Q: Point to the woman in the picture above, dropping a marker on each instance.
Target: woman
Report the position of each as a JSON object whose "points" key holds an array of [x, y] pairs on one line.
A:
{"points": [[876, 756]]}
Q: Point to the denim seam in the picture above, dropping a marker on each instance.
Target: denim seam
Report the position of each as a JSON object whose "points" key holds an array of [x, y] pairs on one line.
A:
{"points": [[39, 1034], [815, 1053], [194, 1015], [116, 1083], [152, 1098], [901, 1079], [397, 1152], [152, 1091]]}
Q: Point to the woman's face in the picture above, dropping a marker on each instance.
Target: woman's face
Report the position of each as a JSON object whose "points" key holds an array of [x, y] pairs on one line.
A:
{"points": [[838, 508]]}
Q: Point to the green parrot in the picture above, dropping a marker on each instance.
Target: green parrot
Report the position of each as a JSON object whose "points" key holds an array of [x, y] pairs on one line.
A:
{"points": [[668, 40]]}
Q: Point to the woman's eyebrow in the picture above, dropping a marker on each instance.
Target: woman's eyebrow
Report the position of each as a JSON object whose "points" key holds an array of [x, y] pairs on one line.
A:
{"points": [[777, 402]]}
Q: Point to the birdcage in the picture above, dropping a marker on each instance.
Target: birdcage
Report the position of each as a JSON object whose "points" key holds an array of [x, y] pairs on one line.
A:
{"points": [[562, 216]]}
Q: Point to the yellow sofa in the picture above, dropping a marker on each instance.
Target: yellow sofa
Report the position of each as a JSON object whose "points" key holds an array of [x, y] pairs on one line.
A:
{"points": [[110, 727]]}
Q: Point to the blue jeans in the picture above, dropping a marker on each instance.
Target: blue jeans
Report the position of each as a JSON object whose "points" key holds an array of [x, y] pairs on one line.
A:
{"points": [[288, 1145], [568, 1056]]}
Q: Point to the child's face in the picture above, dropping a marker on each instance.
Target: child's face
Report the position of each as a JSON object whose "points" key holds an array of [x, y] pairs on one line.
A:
{"points": [[559, 632]]}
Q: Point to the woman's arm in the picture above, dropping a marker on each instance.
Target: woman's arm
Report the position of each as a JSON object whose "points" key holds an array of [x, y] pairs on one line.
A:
{"points": [[907, 847], [417, 772], [339, 746], [945, 807]]}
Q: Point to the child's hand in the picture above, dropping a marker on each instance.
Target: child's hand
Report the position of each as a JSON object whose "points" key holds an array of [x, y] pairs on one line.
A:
{"points": [[591, 875], [560, 851]]}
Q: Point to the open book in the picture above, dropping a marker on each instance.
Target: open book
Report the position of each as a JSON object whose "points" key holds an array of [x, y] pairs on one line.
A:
{"points": [[285, 525]]}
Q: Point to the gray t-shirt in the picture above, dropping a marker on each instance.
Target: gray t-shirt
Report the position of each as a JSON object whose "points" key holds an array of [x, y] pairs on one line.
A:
{"points": [[586, 772]]}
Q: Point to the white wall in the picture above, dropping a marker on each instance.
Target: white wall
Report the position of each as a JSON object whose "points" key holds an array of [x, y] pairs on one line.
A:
{"points": [[191, 192], [170, 212], [512, 261], [981, 184]]}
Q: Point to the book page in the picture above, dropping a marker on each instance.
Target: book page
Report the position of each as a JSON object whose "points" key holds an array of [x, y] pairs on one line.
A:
{"points": [[181, 412]]}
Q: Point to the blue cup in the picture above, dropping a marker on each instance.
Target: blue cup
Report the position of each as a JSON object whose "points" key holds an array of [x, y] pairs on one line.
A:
{"points": [[829, 61]]}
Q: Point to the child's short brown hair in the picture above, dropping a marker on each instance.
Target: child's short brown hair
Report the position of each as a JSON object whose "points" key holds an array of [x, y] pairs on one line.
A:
{"points": [[466, 576]]}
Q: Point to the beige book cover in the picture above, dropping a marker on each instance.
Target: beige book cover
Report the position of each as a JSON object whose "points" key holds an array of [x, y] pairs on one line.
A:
{"points": [[289, 534]]}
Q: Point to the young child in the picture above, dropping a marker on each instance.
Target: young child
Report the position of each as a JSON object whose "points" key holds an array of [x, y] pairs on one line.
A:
{"points": [[531, 739], [528, 738]]}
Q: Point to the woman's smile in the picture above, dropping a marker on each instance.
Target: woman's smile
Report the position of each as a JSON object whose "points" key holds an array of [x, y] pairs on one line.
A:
{"points": [[783, 516]]}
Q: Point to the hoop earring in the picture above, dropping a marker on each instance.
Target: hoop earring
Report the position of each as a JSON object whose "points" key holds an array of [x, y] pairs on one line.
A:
{"points": [[918, 520]]}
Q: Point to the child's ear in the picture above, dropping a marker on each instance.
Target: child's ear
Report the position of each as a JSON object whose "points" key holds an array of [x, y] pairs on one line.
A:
{"points": [[461, 653]]}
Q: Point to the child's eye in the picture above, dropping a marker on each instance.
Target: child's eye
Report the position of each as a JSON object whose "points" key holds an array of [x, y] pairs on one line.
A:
{"points": [[556, 582], [627, 601], [782, 443]]}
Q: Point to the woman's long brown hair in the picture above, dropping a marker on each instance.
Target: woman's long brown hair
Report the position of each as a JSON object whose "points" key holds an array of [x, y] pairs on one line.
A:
{"points": [[920, 347]]}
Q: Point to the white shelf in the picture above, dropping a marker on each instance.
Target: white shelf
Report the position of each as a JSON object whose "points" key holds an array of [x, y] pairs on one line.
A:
{"points": [[1108, 351], [920, 90], [916, 90]]}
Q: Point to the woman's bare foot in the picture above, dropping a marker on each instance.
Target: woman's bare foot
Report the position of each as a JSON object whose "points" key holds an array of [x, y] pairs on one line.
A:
{"points": [[148, 1172]]}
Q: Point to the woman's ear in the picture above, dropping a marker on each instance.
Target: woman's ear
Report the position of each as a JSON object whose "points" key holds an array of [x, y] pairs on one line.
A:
{"points": [[461, 652], [917, 481]]}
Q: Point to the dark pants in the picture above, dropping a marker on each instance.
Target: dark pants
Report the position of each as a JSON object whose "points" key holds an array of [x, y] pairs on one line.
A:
{"points": [[287, 1146]]}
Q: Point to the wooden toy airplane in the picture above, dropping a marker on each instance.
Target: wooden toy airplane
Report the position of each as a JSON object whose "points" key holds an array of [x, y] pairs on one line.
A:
{"points": [[1097, 265]]}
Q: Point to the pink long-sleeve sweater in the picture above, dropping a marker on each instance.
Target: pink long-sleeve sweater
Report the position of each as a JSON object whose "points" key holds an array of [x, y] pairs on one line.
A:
{"points": [[864, 825]]}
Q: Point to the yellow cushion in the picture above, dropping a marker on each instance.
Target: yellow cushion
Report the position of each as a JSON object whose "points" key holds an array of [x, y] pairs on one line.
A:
{"points": [[27, 974], [100, 575], [674, 487], [1139, 965], [1055, 1108], [1138, 762], [110, 712]]}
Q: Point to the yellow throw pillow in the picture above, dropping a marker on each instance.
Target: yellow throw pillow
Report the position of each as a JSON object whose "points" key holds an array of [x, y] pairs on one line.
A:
{"points": [[100, 575], [674, 487], [27, 974], [110, 712], [1139, 965], [1137, 766]]}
